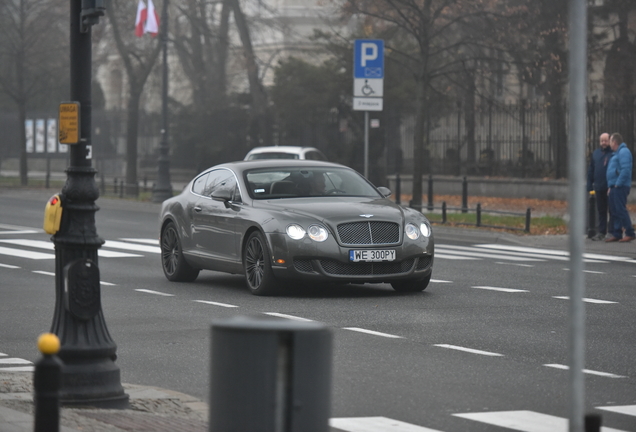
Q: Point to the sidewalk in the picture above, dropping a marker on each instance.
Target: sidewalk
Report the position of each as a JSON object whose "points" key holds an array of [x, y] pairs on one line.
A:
{"points": [[151, 409]]}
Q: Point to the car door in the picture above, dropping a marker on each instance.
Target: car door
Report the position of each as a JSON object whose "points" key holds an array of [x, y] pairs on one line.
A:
{"points": [[213, 221]]}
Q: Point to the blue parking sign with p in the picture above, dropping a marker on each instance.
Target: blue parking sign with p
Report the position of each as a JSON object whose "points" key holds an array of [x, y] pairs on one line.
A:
{"points": [[368, 58]]}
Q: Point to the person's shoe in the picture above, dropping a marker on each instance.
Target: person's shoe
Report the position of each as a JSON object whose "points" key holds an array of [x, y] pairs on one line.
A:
{"points": [[598, 237], [611, 239], [627, 239]]}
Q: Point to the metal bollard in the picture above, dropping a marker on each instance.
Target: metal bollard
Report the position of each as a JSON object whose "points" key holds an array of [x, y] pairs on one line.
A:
{"points": [[270, 375], [478, 211], [121, 189], [398, 189], [115, 186], [591, 220], [47, 380], [430, 192], [145, 184], [593, 422], [528, 217], [443, 211], [465, 195]]}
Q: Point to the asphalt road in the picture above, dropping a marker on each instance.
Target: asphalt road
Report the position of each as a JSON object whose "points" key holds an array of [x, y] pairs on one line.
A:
{"points": [[485, 345]]}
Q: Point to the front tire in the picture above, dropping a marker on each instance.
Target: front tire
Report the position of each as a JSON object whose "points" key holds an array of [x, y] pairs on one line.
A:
{"points": [[174, 265], [411, 285], [258, 266]]}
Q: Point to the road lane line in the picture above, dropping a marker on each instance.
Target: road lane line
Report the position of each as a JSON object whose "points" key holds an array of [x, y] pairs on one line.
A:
{"points": [[14, 361], [25, 254], [509, 290], [142, 240], [440, 281], [132, 247], [587, 371], [453, 257], [154, 292], [524, 421], [515, 264], [50, 246], [485, 254], [107, 283], [216, 303], [587, 300], [43, 272], [18, 369], [375, 424], [371, 332], [4, 355], [469, 350], [592, 258], [291, 317], [16, 267], [621, 409]]}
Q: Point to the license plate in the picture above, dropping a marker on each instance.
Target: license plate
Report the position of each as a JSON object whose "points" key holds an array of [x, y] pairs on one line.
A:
{"points": [[366, 255]]}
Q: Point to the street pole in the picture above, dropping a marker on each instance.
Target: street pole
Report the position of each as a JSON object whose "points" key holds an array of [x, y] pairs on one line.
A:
{"points": [[89, 374], [162, 189], [366, 144], [578, 91]]}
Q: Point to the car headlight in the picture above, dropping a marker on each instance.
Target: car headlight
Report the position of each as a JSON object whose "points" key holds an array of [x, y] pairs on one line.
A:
{"points": [[295, 231], [425, 229], [411, 231], [317, 233]]}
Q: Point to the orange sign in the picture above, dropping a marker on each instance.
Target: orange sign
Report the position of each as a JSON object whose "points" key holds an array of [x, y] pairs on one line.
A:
{"points": [[69, 131]]}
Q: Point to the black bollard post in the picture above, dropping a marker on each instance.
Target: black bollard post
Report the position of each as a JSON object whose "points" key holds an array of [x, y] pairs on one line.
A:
{"points": [[47, 380], [398, 189], [430, 192], [121, 189], [591, 227], [478, 211], [528, 217], [443, 211], [465, 195], [287, 389], [115, 186], [145, 184], [593, 422]]}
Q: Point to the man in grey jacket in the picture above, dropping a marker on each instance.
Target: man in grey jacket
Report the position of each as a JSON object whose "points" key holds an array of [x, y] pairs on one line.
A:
{"points": [[619, 181]]}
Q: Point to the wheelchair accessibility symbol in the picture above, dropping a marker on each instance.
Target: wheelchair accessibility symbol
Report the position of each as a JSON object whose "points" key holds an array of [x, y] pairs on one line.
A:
{"points": [[366, 89]]}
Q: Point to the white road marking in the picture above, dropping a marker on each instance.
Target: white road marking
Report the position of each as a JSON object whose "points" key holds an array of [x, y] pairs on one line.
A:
{"points": [[375, 424], [515, 264], [587, 271], [453, 257], [107, 283], [479, 249], [621, 409], [291, 317], [132, 247], [590, 257], [141, 240], [509, 290], [440, 281], [112, 254], [154, 292], [587, 300], [18, 369], [25, 254], [216, 303], [587, 371], [3, 355], [43, 272], [524, 421], [469, 350], [486, 254], [15, 229], [40, 244], [9, 266], [15, 361], [371, 332]]}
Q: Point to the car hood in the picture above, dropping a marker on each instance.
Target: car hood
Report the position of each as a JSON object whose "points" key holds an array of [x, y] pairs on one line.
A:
{"points": [[338, 209]]}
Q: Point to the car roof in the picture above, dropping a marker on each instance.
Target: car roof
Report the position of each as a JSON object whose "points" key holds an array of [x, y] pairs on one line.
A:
{"points": [[240, 166], [284, 149]]}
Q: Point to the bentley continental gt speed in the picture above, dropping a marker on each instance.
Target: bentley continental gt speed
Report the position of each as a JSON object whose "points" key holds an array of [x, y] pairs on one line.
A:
{"points": [[276, 221]]}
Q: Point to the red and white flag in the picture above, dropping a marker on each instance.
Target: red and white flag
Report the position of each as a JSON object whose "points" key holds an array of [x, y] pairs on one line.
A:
{"points": [[140, 20], [152, 22]]}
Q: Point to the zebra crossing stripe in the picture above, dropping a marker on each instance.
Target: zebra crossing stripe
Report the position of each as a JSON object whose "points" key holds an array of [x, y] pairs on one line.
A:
{"points": [[454, 257], [132, 247], [39, 244], [375, 424], [524, 421], [141, 240], [25, 254], [621, 409], [484, 254], [14, 361], [18, 369]]}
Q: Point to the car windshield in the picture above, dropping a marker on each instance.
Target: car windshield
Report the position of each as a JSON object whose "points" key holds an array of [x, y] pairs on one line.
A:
{"points": [[268, 183], [276, 155]]}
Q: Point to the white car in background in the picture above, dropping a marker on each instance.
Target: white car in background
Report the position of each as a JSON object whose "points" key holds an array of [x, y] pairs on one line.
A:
{"points": [[285, 152]]}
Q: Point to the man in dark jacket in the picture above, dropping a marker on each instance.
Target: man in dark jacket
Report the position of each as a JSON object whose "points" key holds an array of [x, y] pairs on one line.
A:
{"points": [[619, 181], [597, 182]]}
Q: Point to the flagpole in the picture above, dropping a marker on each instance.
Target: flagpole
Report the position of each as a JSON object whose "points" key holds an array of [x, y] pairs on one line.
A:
{"points": [[162, 189]]}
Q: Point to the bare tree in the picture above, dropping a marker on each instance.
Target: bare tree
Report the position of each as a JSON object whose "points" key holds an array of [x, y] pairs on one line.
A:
{"points": [[139, 56], [33, 52]]}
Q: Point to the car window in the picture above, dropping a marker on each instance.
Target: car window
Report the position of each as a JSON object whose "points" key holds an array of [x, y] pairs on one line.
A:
{"points": [[198, 186], [314, 155], [273, 155], [274, 183], [219, 179]]}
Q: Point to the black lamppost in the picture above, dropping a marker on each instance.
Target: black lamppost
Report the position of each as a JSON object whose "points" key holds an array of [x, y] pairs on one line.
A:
{"points": [[89, 375], [162, 189]]}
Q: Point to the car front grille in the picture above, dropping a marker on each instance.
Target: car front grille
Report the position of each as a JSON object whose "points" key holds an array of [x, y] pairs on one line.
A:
{"points": [[424, 262], [338, 268], [369, 233]]}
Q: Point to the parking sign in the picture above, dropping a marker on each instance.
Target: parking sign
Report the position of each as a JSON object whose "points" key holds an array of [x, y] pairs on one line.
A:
{"points": [[368, 58]]}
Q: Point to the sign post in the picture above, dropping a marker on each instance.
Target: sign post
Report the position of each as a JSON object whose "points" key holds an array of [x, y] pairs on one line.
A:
{"points": [[368, 83]]}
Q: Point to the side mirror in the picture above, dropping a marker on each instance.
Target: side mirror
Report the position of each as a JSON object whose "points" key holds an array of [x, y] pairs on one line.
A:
{"points": [[386, 192], [223, 195]]}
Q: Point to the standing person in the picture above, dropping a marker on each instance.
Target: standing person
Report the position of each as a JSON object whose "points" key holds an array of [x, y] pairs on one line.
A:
{"points": [[597, 182], [619, 180]]}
